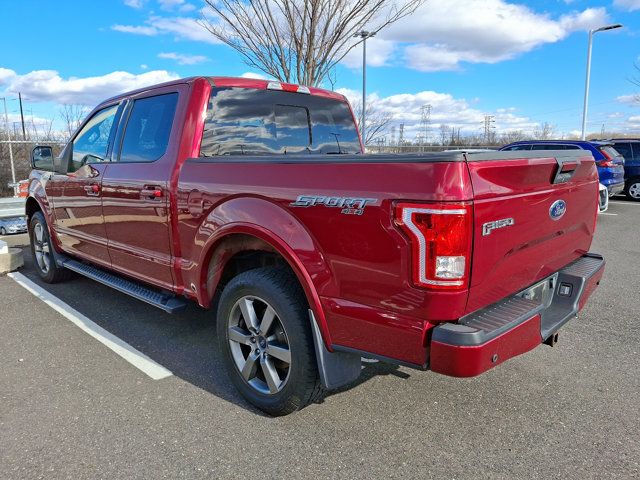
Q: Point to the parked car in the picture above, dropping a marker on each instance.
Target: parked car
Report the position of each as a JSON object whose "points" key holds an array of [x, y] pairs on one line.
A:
{"points": [[255, 197], [609, 162], [630, 149], [13, 225], [603, 199]]}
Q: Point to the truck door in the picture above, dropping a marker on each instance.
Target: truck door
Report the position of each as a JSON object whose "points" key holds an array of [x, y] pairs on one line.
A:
{"points": [[135, 194], [76, 196]]}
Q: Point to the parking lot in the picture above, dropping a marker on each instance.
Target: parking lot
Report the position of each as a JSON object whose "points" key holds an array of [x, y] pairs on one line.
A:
{"points": [[71, 408]]}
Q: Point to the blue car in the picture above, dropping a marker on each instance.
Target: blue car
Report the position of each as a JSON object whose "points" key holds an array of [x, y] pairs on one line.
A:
{"points": [[609, 162], [629, 148]]}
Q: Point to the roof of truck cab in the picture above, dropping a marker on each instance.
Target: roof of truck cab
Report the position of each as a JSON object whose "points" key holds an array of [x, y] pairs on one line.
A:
{"points": [[239, 82]]}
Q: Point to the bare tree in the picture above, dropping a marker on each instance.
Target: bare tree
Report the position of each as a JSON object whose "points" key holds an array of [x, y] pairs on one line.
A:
{"points": [[444, 134], [544, 131], [299, 41], [72, 115], [378, 122], [512, 136]]}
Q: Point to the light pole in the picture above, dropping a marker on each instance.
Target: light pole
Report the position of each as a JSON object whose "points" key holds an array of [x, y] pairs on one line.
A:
{"points": [[588, 80], [6, 123], [363, 34]]}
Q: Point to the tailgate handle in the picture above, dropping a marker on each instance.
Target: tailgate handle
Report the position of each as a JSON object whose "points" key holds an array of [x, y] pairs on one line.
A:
{"points": [[566, 169]]}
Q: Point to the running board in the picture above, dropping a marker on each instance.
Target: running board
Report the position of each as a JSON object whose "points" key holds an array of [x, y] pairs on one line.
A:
{"points": [[164, 301]]}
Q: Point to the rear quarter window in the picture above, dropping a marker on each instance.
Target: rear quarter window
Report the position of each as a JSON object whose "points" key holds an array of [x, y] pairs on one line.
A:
{"points": [[146, 136], [245, 121]]}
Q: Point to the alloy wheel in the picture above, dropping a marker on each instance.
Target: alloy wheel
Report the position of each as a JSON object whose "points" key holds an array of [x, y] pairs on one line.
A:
{"points": [[634, 190], [259, 345], [41, 248]]}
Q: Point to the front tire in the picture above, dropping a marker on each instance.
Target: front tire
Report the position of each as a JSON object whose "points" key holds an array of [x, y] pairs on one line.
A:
{"points": [[633, 189], [42, 251], [3, 232], [266, 341]]}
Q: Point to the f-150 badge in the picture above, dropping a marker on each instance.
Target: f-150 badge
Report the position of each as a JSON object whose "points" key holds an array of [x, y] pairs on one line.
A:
{"points": [[489, 227], [348, 205]]}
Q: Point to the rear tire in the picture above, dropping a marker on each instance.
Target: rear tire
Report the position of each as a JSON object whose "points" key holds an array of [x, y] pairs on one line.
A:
{"points": [[3, 232], [632, 189], [266, 341], [42, 251]]}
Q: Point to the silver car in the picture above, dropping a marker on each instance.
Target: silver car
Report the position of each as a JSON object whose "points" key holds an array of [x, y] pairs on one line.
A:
{"points": [[9, 226]]}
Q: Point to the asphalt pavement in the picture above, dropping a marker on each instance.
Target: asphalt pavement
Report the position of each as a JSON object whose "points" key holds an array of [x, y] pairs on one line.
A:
{"points": [[70, 408]]}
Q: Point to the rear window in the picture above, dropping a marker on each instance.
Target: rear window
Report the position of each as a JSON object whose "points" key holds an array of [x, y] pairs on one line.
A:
{"points": [[148, 128], [612, 152], [243, 121]]}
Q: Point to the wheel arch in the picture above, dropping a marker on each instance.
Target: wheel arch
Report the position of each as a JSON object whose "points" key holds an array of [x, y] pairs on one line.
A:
{"points": [[238, 230]]}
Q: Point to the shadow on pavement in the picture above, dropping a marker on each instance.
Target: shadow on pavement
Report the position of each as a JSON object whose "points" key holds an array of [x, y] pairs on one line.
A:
{"points": [[185, 343]]}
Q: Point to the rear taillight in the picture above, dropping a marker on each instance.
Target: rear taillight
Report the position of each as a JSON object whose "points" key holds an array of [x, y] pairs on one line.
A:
{"points": [[608, 162], [440, 237]]}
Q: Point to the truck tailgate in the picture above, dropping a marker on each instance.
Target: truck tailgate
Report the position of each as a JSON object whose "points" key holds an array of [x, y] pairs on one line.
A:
{"points": [[521, 234]]}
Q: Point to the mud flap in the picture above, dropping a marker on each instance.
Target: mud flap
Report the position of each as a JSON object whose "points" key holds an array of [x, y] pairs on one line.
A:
{"points": [[336, 369]]}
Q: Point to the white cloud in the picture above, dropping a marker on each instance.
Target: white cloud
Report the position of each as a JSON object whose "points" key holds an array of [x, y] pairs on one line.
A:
{"points": [[134, 3], [256, 75], [444, 33], [181, 5], [445, 110], [629, 99], [136, 29], [629, 5], [184, 28], [379, 51], [635, 119], [6, 75], [183, 59], [49, 86]]}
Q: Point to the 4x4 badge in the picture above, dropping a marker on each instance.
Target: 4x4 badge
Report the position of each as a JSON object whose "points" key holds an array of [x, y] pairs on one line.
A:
{"points": [[349, 205]]}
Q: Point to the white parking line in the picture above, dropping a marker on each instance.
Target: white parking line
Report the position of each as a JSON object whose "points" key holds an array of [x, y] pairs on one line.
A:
{"points": [[609, 214], [636, 204], [126, 351]]}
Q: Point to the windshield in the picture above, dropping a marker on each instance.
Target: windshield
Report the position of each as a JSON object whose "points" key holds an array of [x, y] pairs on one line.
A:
{"points": [[244, 121]]}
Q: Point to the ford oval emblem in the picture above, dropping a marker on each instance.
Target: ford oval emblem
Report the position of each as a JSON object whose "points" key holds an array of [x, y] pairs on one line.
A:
{"points": [[558, 209]]}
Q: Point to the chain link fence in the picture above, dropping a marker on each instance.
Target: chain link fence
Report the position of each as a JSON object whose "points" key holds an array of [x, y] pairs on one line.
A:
{"points": [[21, 151]]}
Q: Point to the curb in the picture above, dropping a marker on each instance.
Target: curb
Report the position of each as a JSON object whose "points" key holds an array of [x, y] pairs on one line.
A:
{"points": [[10, 258]]}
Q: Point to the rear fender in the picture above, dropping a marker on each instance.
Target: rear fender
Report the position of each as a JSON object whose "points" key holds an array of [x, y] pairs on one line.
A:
{"points": [[285, 236]]}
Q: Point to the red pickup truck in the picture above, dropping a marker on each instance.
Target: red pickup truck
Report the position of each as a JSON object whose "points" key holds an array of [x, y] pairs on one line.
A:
{"points": [[255, 198]]}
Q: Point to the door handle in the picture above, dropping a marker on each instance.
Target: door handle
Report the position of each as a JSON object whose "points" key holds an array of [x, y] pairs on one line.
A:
{"points": [[92, 190], [151, 192]]}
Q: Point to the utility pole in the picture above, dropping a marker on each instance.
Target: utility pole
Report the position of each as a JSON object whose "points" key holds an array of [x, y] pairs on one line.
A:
{"points": [[363, 34], [6, 126], [24, 133], [425, 122], [489, 127], [401, 137]]}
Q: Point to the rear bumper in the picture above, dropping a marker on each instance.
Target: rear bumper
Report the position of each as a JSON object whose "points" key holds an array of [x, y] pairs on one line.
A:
{"points": [[489, 337], [615, 188]]}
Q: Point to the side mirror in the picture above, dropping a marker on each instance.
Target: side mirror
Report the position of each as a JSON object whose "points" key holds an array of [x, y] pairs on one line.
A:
{"points": [[42, 158]]}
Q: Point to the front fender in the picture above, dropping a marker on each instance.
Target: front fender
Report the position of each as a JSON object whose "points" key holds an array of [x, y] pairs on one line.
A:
{"points": [[276, 227]]}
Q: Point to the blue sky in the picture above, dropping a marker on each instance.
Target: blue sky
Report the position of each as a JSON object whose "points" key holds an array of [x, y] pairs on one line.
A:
{"points": [[523, 62]]}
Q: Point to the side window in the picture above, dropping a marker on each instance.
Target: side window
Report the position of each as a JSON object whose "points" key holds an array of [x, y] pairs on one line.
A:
{"points": [[572, 147], [520, 148], [147, 132], [92, 143], [624, 149]]}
